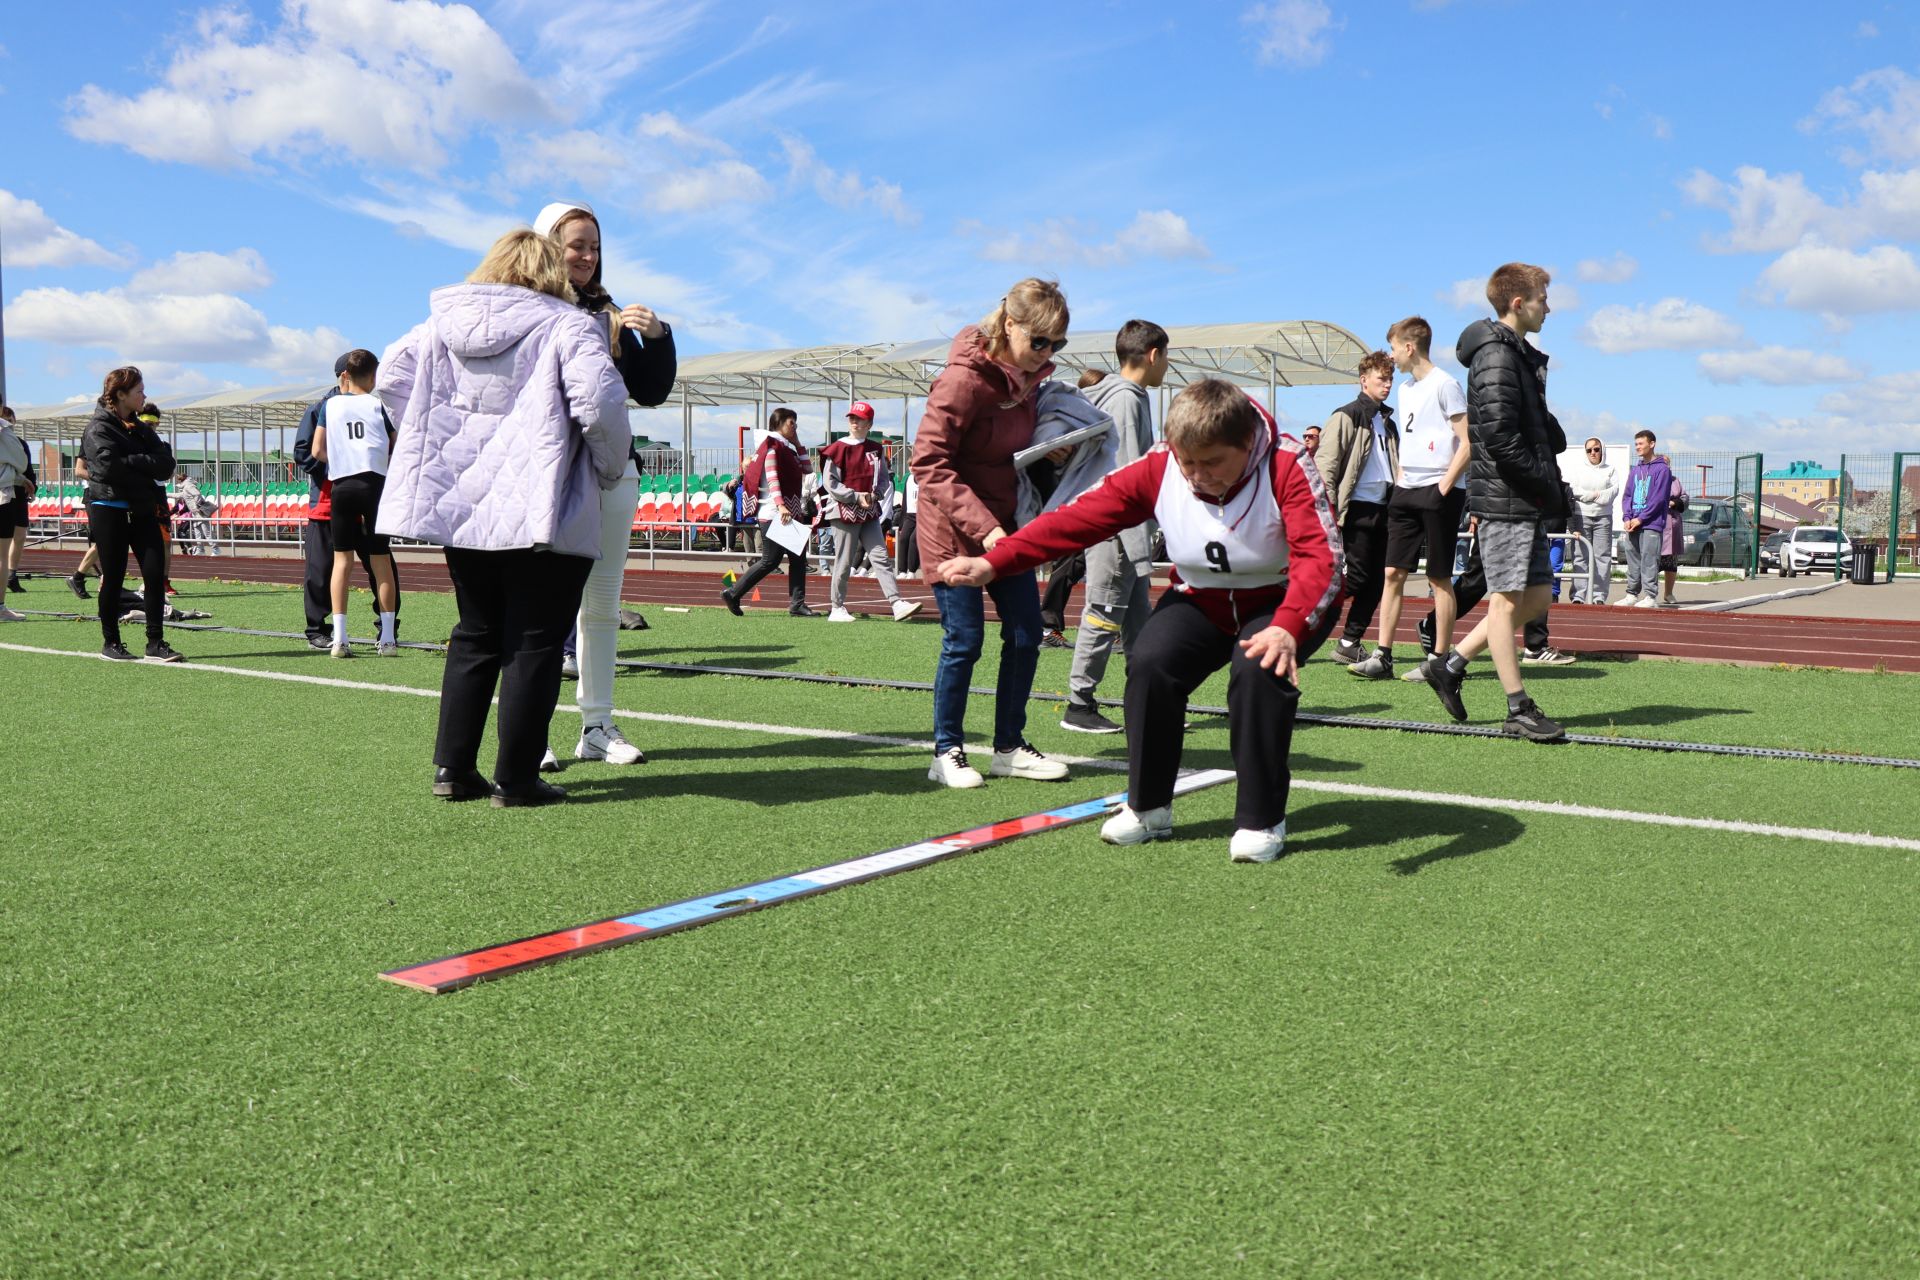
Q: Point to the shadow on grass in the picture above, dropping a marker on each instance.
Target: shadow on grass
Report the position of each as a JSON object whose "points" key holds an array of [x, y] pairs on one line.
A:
{"points": [[1332, 825], [1658, 713]]}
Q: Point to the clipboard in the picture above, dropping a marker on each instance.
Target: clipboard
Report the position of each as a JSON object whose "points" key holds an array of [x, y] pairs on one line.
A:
{"points": [[793, 534]]}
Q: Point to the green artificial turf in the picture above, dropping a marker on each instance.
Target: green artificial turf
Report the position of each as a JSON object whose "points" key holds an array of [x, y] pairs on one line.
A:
{"points": [[1432, 1040]]}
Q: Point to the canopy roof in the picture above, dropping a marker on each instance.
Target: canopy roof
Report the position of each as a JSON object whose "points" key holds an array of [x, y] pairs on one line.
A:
{"points": [[1287, 353]]}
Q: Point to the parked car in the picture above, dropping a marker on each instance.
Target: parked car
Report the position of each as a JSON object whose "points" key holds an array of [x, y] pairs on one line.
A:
{"points": [[1770, 551], [1706, 534], [1813, 548]]}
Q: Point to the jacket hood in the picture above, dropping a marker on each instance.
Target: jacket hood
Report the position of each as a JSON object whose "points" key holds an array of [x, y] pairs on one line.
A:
{"points": [[1114, 387], [1479, 334], [970, 352], [479, 320]]}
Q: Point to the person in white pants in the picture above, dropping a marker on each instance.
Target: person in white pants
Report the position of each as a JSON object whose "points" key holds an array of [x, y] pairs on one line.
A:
{"points": [[643, 351], [859, 487]]}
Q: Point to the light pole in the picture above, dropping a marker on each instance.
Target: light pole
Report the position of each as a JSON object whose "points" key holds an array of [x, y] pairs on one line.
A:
{"points": [[1704, 468]]}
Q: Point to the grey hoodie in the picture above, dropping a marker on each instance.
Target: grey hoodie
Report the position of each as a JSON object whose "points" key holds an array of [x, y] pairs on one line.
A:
{"points": [[1131, 408]]}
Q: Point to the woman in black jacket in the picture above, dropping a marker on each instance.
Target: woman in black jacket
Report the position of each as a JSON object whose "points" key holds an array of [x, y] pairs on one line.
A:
{"points": [[126, 459]]}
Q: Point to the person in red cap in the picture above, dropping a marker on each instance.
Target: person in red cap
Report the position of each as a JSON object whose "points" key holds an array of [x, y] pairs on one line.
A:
{"points": [[858, 484]]}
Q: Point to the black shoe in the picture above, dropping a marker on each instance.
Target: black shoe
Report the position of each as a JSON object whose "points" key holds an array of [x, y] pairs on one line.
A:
{"points": [[13, 583], [732, 602], [1446, 683], [161, 651], [630, 620], [1348, 652], [322, 643], [1051, 639], [460, 784], [1530, 723], [77, 584], [1426, 634], [801, 611], [1087, 720], [528, 795], [115, 650]]}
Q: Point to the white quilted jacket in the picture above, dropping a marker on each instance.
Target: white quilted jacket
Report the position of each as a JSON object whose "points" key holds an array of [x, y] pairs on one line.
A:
{"points": [[510, 419]]}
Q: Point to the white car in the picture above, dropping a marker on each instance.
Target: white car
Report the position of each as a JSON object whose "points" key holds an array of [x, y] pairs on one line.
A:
{"points": [[1813, 548]]}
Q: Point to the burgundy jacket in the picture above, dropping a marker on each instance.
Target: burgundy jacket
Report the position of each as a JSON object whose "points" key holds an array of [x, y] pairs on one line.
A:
{"points": [[979, 414]]}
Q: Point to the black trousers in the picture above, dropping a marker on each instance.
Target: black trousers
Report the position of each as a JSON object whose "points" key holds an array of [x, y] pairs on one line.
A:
{"points": [[515, 609], [117, 531], [1364, 532], [1470, 588], [906, 544], [1067, 571], [1177, 650], [771, 554], [316, 544]]}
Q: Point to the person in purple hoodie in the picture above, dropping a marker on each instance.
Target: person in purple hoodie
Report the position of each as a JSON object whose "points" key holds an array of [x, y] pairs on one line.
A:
{"points": [[1643, 508]]}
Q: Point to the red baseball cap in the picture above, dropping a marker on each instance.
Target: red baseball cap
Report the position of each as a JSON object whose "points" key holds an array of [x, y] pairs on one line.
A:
{"points": [[860, 409]]}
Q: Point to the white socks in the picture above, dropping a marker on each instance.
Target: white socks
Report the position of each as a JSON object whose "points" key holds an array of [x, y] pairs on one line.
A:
{"points": [[339, 628], [386, 628]]}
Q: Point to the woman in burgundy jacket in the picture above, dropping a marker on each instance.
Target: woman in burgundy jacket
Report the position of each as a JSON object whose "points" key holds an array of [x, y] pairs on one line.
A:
{"points": [[980, 412]]}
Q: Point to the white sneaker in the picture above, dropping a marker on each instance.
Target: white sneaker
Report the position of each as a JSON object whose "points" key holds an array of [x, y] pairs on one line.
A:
{"points": [[950, 769], [606, 742], [389, 649], [1646, 602], [1258, 846], [340, 649], [549, 762], [1128, 827], [9, 615], [1024, 762], [840, 614], [904, 609]]}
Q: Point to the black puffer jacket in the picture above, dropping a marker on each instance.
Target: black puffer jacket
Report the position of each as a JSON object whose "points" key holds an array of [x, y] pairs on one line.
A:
{"points": [[1515, 472], [124, 464]]}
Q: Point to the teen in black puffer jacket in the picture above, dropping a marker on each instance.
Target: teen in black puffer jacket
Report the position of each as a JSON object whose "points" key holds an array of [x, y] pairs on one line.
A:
{"points": [[1515, 472]]}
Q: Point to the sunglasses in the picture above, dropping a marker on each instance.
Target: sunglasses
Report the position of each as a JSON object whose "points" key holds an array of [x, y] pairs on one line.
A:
{"points": [[1047, 344], [1595, 451]]}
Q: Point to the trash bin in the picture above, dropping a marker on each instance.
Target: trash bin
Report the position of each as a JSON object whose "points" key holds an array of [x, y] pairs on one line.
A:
{"points": [[1863, 558]]}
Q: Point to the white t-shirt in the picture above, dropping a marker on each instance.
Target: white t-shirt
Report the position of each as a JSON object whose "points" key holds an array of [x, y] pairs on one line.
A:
{"points": [[1376, 477], [356, 436], [1427, 441]]}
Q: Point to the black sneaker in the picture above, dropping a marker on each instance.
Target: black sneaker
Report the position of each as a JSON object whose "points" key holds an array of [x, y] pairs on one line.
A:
{"points": [[322, 643], [460, 784], [161, 651], [1446, 683], [732, 602], [116, 651], [630, 620], [530, 795], [13, 583], [1425, 628], [1346, 653], [1051, 639], [1530, 723], [76, 583], [801, 611], [1087, 720]]}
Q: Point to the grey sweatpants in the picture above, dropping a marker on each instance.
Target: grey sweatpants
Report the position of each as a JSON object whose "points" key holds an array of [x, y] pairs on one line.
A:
{"points": [[1118, 602], [1643, 561], [1599, 531], [849, 542]]}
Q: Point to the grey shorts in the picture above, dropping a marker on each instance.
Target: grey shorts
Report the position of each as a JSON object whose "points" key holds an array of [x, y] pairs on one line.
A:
{"points": [[1514, 554]]}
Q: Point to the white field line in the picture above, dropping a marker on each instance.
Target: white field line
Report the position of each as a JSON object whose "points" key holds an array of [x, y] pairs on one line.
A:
{"points": [[1554, 808]]}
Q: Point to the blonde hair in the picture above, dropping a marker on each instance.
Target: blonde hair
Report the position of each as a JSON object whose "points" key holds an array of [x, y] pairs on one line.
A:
{"points": [[1037, 304], [1211, 412], [527, 259]]}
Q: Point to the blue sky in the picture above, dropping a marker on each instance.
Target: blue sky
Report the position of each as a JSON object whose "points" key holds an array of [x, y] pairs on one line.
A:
{"points": [[1728, 194]]}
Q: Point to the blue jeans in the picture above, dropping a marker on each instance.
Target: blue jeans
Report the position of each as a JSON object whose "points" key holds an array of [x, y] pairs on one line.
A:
{"points": [[963, 617]]}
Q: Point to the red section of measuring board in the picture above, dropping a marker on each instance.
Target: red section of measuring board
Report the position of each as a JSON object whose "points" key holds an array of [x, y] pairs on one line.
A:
{"points": [[451, 973]]}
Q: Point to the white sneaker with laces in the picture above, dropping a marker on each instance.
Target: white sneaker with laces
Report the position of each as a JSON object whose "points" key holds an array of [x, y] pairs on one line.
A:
{"points": [[549, 762], [1128, 827], [389, 649], [840, 614], [950, 769], [1024, 762], [1250, 845], [606, 742], [1646, 602], [904, 609]]}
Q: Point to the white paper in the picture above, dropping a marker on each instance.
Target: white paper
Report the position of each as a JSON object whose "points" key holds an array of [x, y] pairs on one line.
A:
{"points": [[792, 534]]}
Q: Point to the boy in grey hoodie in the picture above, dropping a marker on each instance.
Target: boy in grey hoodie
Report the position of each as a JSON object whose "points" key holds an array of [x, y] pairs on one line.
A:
{"points": [[1119, 596]]}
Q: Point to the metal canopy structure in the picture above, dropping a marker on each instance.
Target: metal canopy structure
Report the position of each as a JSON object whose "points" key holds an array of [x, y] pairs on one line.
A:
{"points": [[249, 409]]}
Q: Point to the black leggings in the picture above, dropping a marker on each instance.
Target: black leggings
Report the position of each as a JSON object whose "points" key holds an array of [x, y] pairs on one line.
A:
{"points": [[1177, 650], [771, 553], [115, 532]]}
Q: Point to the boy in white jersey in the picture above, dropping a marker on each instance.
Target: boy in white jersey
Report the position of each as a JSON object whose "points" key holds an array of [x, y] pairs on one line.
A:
{"points": [[1428, 496], [355, 440], [1253, 542]]}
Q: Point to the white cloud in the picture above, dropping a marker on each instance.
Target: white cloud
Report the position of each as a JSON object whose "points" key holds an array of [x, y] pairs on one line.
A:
{"points": [[1671, 324], [379, 82], [1893, 398], [215, 328], [845, 189], [709, 186], [1867, 31], [1155, 233], [241, 271], [1615, 270], [1768, 212], [1465, 295], [1294, 32], [765, 103], [666, 127], [1884, 105], [1660, 127], [1778, 366], [1819, 277], [30, 238], [597, 44]]}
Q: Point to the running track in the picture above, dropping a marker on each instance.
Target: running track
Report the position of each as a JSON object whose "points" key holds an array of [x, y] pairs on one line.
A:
{"points": [[1759, 639]]}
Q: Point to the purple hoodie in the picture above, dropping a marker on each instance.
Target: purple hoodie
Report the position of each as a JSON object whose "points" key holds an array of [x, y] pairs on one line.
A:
{"points": [[1649, 485]]}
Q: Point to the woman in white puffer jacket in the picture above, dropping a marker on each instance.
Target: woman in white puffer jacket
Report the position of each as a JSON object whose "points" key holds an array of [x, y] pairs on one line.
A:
{"points": [[511, 419]]}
